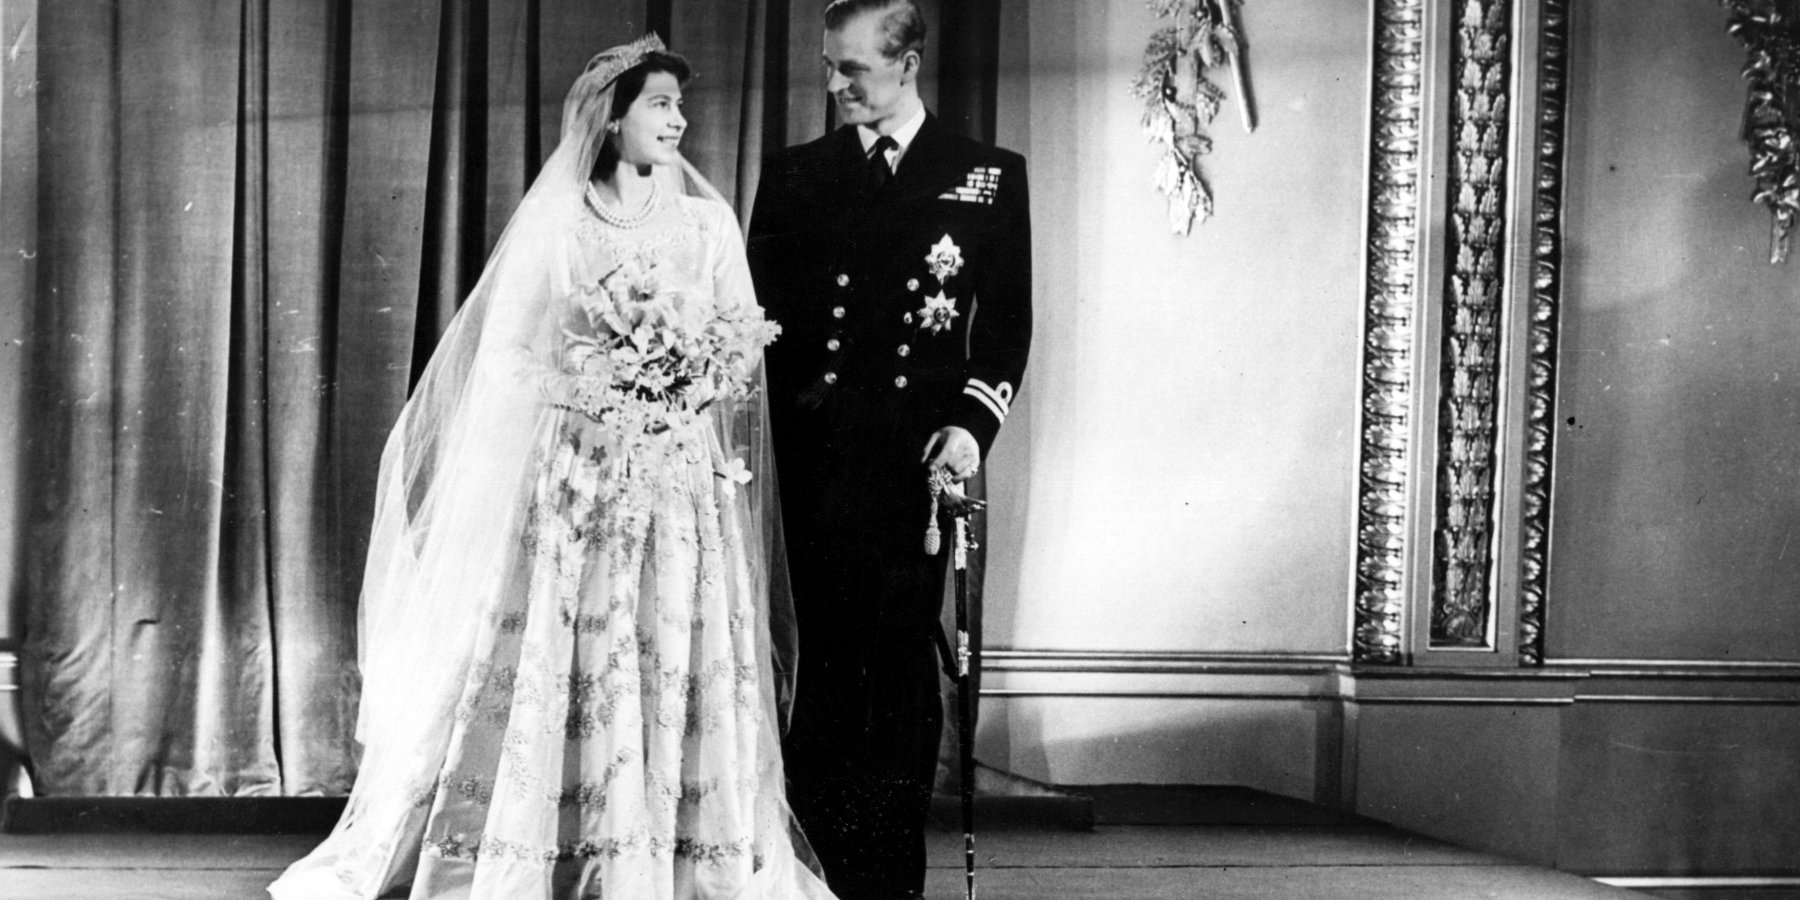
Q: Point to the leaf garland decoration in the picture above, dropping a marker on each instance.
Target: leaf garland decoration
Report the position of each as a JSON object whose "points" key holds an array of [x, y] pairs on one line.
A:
{"points": [[1180, 101], [1771, 110]]}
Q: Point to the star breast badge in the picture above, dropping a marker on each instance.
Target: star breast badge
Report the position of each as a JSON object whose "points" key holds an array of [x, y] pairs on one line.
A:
{"points": [[937, 313], [944, 259]]}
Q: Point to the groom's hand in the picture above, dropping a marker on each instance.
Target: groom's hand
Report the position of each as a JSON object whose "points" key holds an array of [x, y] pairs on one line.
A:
{"points": [[955, 450]]}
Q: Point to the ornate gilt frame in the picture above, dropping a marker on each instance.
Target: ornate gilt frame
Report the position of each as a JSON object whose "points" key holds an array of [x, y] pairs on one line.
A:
{"points": [[1475, 254], [1396, 152], [1545, 319], [1458, 380]]}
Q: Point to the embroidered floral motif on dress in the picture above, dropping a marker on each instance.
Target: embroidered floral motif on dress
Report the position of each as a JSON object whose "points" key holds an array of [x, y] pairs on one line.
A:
{"points": [[617, 701], [701, 852]]}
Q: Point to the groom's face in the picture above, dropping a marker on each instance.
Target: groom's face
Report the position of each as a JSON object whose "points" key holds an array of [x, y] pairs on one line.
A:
{"points": [[867, 86]]}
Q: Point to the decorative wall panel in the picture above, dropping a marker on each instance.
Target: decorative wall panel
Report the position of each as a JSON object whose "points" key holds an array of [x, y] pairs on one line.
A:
{"points": [[1474, 294], [1546, 298], [1391, 291]]}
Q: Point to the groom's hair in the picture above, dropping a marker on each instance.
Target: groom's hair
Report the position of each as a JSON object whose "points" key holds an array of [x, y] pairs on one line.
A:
{"points": [[902, 25]]}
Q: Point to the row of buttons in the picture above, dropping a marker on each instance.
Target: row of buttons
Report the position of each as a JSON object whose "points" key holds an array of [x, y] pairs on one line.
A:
{"points": [[912, 284], [837, 312], [899, 380], [833, 344]]}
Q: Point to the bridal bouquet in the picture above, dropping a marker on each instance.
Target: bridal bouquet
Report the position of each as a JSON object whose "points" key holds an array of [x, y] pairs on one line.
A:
{"points": [[655, 355]]}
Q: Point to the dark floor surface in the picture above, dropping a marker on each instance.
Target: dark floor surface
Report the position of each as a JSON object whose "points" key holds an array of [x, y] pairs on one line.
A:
{"points": [[1147, 862], [1149, 843]]}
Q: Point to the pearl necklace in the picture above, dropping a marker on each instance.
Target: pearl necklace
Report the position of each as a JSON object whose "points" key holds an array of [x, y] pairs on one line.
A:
{"points": [[626, 220]]}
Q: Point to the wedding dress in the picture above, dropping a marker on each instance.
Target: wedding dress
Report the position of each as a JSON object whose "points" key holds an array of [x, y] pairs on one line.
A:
{"points": [[574, 628]]}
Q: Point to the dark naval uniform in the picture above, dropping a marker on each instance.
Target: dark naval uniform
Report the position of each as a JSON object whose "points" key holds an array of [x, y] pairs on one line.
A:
{"points": [[905, 306]]}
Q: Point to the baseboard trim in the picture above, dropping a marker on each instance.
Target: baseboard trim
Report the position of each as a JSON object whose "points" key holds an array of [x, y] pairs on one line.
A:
{"points": [[1688, 699], [177, 815], [1741, 669], [1453, 700], [1162, 662], [1699, 882], [1083, 693], [1013, 802]]}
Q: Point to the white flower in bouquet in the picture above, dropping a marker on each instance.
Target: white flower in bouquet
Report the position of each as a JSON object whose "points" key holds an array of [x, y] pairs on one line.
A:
{"points": [[655, 355], [732, 474]]}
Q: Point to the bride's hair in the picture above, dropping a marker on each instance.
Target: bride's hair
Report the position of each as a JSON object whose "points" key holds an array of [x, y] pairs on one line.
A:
{"points": [[625, 93]]}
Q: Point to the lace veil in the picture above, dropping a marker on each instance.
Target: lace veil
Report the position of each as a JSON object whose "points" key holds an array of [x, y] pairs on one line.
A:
{"points": [[456, 475]]}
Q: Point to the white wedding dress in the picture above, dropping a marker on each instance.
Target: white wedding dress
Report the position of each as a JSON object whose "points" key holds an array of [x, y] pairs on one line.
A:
{"points": [[569, 642], [613, 737]]}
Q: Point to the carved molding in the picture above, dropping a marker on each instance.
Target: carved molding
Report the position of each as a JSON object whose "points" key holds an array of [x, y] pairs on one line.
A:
{"points": [[1546, 300], [1473, 312], [1395, 179]]}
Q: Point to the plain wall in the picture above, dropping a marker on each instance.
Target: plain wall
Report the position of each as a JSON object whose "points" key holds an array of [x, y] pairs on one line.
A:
{"points": [[1181, 475], [1178, 473]]}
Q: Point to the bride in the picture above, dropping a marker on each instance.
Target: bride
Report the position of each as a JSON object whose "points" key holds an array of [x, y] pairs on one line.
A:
{"points": [[573, 628]]}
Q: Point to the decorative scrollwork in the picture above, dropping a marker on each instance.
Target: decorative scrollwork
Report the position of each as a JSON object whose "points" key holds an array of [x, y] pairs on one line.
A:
{"points": [[1387, 360], [1546, 299], [1771, 34], [1472, 316]]}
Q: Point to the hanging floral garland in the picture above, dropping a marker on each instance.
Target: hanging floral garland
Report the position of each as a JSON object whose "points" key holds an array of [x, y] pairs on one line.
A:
{"points": [[1179, 100], [1771, 111]]}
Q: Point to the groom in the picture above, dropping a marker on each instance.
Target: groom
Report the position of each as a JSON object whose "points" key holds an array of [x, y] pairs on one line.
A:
{"points": [[897, 257]]}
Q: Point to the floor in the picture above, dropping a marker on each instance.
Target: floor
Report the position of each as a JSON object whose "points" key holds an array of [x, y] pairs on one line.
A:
{"points": [[1034, 842], [1146, 862]]}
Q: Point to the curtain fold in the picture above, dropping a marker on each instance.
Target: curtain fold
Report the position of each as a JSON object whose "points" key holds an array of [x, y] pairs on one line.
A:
{"points": [[68, 410], [254, 218], [712, 37], [18, 283], [303, 189]]}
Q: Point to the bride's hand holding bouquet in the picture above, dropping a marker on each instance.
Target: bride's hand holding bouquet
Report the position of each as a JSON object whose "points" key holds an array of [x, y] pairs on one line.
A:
{"points": [[649, 356]]}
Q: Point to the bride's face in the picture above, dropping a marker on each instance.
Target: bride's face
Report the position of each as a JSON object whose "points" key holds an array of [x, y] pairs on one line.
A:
{"points": [[650, 132]]}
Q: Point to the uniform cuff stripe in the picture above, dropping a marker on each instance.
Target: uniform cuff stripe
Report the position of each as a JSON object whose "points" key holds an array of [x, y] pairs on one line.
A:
{"points": [[987, 402], [1001, 399]]}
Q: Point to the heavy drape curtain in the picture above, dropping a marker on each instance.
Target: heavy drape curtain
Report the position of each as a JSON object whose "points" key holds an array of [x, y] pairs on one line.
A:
{"points": [[248, 221]]}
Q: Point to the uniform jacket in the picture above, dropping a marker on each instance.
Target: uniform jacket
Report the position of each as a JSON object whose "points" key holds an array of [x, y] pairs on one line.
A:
{"points": [[917, 296]]}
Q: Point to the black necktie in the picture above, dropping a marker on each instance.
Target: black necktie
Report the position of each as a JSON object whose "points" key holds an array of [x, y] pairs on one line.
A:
{"points": [[879, 171]]}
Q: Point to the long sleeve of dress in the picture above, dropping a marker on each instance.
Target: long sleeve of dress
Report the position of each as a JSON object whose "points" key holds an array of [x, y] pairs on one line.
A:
{"points": [[732, 286], [522, 340]]}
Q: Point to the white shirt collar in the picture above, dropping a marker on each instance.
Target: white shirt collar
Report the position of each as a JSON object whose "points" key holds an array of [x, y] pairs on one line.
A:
{"points": [[903, 136]]}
